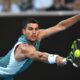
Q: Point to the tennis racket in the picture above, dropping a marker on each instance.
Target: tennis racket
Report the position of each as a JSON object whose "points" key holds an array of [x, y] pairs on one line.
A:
{"points": [[74, 56]]}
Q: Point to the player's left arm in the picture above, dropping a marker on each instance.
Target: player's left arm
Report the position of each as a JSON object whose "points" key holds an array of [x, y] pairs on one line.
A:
{"points": [[62, 25]]}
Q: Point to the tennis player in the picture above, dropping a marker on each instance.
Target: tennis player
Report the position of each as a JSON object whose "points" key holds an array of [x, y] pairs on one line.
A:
{"points": [[26, 50]]}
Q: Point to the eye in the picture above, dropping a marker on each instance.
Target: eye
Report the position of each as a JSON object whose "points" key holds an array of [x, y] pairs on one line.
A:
{"points": [[36, 29], [30, 28]]}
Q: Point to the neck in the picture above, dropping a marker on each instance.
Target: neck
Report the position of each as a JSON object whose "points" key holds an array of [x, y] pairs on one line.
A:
{"points": [[31, 42]]}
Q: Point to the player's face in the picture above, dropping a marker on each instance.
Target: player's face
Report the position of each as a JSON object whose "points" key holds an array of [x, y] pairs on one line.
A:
{"points": [[31, 31]]}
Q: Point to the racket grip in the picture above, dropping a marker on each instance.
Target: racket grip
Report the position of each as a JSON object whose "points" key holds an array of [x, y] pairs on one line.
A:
{"points": [[64, 61]]}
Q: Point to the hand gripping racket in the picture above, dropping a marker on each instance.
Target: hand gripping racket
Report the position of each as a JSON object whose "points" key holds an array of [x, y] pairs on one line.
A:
{"points": [[74, 56]]}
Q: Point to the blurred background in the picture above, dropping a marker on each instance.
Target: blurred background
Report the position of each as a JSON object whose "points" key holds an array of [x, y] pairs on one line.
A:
{"points": [[48, 13], [39, 5]]}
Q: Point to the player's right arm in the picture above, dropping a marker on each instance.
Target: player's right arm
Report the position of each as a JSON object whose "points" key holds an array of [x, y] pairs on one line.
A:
{"points": [[29, 51]]}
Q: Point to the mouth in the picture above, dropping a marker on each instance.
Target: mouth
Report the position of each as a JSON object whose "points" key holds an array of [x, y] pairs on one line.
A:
{"points": [[33, 36]]}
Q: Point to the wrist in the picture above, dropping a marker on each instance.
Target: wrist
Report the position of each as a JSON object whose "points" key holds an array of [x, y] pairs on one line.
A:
{"points": [[52, 58]]}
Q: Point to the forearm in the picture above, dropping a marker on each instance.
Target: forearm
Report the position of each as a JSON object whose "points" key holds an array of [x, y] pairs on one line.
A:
{"points": [[70, 21], [44, 57]]}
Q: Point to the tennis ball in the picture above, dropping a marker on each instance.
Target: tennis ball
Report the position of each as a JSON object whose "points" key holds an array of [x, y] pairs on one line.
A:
{"points": [[77, 53]]}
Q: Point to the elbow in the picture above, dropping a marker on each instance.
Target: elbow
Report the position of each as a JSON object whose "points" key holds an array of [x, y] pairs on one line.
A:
{"points": [[62, 25]]}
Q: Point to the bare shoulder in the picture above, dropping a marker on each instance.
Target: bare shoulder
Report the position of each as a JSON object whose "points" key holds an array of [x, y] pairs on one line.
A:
{"points": [[41, 33], [19, 52], [41, 30], [23, 45], [23, 51], [26, 47]]}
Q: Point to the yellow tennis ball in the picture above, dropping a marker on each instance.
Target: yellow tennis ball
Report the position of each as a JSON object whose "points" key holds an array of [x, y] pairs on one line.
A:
{"points": [[77, 53]]}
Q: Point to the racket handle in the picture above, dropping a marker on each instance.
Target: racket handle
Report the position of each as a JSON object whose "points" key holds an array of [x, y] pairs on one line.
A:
{"points": [[65, 61]]}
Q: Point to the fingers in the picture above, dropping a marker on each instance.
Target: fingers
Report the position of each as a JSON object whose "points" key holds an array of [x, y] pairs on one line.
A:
{"points": [[59, 61]]}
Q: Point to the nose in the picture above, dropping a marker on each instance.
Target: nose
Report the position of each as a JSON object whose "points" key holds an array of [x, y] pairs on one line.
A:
{"points": [[34, 32]]}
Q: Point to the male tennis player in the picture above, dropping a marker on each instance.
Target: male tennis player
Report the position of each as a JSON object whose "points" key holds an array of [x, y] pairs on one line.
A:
{"points": [[26, 50]]}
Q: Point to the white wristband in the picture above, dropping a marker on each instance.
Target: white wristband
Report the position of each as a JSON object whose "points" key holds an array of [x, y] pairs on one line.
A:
{"points": [[52, 58]]}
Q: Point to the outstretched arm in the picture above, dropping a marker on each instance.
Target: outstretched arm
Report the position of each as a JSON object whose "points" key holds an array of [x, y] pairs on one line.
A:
{"points": [[59, 27], [30, 52]]}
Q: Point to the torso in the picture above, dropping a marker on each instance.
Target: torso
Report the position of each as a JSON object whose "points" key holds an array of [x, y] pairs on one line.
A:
{"points": [[15, 62]]}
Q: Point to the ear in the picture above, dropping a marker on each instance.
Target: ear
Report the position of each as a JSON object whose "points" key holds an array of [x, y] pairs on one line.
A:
{"points": [[23, 31]]}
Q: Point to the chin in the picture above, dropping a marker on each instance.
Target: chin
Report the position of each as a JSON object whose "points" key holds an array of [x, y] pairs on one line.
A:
{"points": [[33, 40]]}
